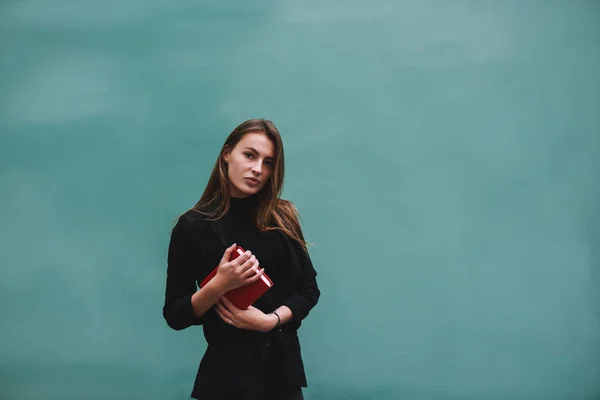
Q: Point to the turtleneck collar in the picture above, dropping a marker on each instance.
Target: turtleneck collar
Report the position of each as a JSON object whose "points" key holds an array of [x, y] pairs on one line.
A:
{"points": [[242, 205]]}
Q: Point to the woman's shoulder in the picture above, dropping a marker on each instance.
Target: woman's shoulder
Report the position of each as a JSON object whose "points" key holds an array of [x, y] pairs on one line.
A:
{"points": [[192, 220]]}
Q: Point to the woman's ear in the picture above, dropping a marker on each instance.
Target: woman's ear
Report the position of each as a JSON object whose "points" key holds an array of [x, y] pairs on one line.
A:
{"points": [[226, 154]]}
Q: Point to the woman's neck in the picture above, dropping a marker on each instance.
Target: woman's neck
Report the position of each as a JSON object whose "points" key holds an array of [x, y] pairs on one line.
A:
{"points": [[243, 205]]}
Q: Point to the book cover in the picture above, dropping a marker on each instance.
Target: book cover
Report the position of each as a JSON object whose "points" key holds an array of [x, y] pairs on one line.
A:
{"points": [[244, 296]]}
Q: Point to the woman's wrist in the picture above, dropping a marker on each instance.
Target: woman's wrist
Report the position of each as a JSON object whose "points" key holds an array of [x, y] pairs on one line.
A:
{"points": [[272, 322], [217, 284]]}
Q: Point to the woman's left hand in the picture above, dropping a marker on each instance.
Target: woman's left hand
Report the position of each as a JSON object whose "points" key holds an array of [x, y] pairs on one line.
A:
{"points": [[252, 318]]}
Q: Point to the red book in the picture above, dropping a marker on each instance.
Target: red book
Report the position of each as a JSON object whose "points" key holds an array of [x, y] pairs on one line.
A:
{"points": [[244, 296]]}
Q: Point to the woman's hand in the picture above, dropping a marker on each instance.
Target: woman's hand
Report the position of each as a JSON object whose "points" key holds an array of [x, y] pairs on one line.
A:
{"points": [[239, 272], [252, 318]]}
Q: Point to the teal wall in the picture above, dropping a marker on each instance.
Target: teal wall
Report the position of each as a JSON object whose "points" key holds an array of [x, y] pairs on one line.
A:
{"points": [[445, 157]]}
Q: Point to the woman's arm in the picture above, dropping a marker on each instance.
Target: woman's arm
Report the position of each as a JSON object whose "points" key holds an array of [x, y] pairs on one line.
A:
{"points": [[242, 271], [185, 305], [298, 306], [294, 309], [307, 293]]}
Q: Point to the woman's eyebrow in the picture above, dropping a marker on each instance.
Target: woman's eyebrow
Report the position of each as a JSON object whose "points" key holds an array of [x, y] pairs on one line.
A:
{"points": [[256, 152]]}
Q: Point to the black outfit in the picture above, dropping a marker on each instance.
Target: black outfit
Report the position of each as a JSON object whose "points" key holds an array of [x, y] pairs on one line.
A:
{"points": [[238, 360]]}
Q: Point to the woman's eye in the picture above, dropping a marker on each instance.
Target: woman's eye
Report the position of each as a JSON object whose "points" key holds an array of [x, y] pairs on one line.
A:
{"points": [[269, 163], [248, 155]]}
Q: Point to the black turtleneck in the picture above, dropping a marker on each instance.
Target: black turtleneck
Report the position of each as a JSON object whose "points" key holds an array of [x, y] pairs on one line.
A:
{"points": [[239, 228], [234, 355]]}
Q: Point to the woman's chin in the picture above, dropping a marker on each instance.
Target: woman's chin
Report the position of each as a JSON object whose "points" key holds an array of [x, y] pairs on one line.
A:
{"points": [[244, 191]]}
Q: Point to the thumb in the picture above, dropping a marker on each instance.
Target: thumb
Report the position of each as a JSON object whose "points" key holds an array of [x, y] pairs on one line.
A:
{"points": [[227, 254]]}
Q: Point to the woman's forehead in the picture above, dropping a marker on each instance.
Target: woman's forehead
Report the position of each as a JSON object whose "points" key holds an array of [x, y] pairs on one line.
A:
{"points": [[258, 142]]}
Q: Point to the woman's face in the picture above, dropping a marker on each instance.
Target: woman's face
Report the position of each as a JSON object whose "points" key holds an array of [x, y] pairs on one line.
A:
{"points": [[250, 164]]}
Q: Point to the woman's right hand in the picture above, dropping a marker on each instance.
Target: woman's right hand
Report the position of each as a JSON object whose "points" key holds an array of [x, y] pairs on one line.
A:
{"points": [[239, 272]]}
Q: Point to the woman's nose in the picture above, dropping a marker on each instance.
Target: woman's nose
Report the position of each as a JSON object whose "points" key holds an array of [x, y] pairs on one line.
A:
{"points": [[257, 167]]}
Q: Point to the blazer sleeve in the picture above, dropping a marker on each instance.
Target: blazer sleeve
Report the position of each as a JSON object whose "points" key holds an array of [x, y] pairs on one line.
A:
{"points": [[307, 292], [181, 278]]}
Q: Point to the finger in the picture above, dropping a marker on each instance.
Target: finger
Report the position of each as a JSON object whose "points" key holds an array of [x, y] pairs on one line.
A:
{"points": [[226, 319], [256, 277], [248, 264], [227, 254], [222, 310], [241, 259], [251, 271], [223, 317], [230, 306], [223, 307]]}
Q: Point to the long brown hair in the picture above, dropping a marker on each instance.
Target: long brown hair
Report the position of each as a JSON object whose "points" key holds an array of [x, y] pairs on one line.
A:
{"points": [[272, 212]]}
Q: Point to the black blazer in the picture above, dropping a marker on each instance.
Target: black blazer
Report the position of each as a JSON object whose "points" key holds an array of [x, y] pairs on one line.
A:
{"points": [[195, 248]]}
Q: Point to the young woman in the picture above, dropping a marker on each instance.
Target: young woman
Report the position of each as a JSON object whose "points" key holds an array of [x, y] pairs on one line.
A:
{"points": [[252, 353]]}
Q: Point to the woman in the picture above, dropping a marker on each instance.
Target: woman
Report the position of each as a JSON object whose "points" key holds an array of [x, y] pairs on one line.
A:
{"points": [[252, 353]]}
